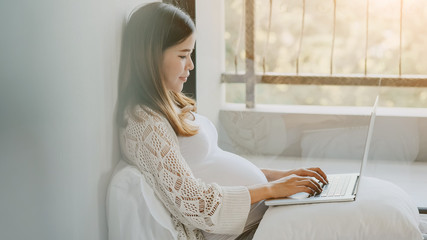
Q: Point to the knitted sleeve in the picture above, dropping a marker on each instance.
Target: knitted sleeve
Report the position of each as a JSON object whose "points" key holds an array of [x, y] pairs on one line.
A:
{"points": [[151, 144]]}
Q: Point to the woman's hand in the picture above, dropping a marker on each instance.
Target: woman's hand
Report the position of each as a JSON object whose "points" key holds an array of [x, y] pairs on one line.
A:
{"points": [[315, 172], [289, 185]]}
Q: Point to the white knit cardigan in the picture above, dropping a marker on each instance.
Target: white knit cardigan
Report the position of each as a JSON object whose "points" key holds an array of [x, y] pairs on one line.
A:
{"points": [[152, 146]]}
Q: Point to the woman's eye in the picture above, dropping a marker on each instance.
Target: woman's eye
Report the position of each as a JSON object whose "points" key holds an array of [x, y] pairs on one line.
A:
{"points": [[183, 57]]}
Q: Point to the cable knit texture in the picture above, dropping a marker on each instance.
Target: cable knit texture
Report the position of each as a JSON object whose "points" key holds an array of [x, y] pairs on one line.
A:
{"points": [[151, 144]]}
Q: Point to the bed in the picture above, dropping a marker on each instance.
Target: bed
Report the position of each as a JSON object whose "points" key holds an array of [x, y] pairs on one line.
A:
{"points": [[382, 211]]}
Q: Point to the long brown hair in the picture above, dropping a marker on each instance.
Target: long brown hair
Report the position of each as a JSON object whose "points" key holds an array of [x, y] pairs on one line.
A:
{"points": [[150, 30]]}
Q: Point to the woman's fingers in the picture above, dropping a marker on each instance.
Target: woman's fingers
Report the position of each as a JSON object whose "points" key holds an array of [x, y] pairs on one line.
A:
{"points": [[315, 186], [320, 172], [314, 172], [294, 184], [305, 189]]}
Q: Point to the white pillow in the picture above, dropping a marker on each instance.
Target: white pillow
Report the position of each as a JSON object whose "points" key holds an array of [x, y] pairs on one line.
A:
{"points": [[133, 210], [381, 211]]}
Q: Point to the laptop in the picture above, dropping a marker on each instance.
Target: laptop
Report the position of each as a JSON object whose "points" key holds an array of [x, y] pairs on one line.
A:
{"points": [[341, 187]]}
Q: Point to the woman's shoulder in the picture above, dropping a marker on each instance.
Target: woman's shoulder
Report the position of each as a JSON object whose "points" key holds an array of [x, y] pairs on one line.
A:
{"points": [[146, 112], [143, 118], [144, 115]]}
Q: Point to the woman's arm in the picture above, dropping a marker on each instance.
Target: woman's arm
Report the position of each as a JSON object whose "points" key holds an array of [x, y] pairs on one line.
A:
{"points": [[260, 192], [284, 187]]}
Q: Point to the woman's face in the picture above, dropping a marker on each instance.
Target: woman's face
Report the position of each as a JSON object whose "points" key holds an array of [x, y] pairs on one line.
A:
{"points": [[177, 64]]}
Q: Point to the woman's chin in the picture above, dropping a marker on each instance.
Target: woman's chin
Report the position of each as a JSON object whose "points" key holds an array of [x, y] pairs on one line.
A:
{"points": [[178, 90]]}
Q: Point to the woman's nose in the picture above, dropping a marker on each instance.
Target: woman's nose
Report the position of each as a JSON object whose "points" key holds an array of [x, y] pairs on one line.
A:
{"points": [[190, 64]]}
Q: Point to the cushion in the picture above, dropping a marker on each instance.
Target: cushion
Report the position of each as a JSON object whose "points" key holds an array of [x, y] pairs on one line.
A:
{"points": [[381, 211], [133, 210]]}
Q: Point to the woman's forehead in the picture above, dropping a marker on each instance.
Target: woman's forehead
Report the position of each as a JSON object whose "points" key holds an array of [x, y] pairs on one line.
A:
{"points": [[187, 45]]}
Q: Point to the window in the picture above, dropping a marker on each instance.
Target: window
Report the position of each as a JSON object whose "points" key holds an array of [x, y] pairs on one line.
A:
{"points": [[339, 61]]}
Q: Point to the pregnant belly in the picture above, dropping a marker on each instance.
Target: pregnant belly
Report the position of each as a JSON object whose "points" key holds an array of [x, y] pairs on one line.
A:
{"points": [[228, 169]]}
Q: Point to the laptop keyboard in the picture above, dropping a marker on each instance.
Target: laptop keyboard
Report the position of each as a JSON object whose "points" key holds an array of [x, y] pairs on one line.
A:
{"points": [[337, 186]]}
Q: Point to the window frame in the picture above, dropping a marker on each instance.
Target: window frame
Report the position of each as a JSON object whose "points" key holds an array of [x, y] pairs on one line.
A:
{"points": [[251, 78]]}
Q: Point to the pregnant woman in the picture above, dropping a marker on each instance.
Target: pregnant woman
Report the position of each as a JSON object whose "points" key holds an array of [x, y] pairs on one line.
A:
{"points": [[210, 193]]}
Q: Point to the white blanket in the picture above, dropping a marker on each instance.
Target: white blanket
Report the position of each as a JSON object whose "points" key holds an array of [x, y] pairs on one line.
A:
{"points": [[381, 211]]}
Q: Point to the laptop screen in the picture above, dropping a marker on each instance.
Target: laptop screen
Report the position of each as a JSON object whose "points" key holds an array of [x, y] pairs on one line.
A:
{"points": [[341, 142], [369, 135]]}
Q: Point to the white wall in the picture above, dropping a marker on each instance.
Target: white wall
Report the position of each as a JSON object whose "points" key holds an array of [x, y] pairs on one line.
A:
{"points": [[58, 77], [210, 54]]}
